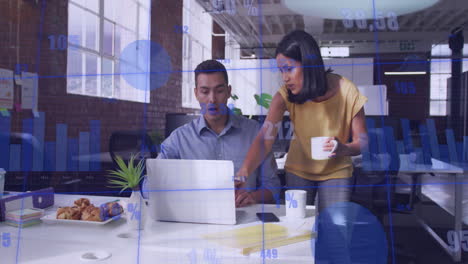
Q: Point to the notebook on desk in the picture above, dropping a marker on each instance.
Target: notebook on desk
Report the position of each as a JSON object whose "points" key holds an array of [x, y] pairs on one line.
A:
{"points": [[197, 191]]}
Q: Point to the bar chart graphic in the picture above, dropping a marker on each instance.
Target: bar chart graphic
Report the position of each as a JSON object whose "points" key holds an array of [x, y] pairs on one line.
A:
{"points": [[34, 153]]}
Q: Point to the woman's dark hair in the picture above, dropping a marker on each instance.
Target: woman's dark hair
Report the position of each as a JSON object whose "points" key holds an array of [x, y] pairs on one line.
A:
{"points": [[209, 67], [301, 46]]}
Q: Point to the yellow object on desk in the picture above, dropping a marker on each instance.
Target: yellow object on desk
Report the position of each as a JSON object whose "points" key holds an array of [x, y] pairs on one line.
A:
{"points": [[255, 238]]}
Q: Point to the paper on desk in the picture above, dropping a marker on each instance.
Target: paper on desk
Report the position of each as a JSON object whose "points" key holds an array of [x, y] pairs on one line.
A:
{"points": [[6, 88], [253, 238], [29, 91]]}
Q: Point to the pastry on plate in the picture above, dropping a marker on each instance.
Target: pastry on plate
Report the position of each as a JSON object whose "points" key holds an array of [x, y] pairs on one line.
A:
{"points": [[111, 209], [69, 213], [91, 213], [82, 203]]}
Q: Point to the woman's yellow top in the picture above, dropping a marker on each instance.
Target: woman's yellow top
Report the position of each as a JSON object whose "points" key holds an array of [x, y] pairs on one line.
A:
{"points": [[329, 118]]}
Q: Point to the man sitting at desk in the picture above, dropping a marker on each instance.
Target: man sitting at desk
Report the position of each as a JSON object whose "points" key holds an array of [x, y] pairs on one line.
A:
{"points": [[220, 135]]}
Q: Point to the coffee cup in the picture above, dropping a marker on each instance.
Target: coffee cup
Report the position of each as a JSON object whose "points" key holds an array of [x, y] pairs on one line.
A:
{"points": [[316, 148], [295, 204]]}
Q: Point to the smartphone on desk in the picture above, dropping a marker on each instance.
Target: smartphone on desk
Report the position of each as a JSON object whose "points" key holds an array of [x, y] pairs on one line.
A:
{"points": [[267, 217]]}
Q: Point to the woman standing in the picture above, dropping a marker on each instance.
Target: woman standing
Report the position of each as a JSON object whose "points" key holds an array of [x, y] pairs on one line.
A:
{"points": [[320, 104]]}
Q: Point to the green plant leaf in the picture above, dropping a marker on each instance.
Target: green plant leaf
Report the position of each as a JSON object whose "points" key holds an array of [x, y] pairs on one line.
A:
{"points": [[237, 111], [234, 97], [263, 99], [127, 175]]}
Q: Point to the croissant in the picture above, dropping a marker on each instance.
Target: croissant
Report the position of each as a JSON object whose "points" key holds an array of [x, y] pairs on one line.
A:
{"points": [[82, 203], [70, 213], [91, 213]]}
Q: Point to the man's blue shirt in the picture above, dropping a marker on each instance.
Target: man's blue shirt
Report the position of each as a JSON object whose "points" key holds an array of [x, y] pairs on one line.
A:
{"points": [[196, 140]]}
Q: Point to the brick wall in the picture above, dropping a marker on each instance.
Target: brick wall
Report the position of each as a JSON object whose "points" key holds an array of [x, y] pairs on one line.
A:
{"points": [[19, 28]]}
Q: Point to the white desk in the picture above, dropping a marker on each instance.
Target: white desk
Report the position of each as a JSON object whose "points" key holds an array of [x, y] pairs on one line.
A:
{"points": [[448, 195], [159, 242], [406, 165]]}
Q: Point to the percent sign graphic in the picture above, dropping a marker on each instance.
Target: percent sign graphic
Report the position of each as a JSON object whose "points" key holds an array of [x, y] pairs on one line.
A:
{"points": [[290, 198], [132, 208], [252, 10]]}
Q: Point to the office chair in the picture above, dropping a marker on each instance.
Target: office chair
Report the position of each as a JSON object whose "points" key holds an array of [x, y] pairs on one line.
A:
{"points": [[126, 143], [175, 120]]}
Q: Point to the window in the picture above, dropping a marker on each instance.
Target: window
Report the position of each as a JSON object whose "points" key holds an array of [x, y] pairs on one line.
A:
{"points": [[441, 70], [196, 47], [103, 29]]}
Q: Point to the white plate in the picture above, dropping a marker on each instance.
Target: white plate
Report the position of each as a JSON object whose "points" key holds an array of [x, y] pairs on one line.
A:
{"points": [[96, 256], [51, 218]]}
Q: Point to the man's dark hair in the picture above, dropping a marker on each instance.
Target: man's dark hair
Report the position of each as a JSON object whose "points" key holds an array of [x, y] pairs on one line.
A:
{"points": [[211, 66], [301, 46]]}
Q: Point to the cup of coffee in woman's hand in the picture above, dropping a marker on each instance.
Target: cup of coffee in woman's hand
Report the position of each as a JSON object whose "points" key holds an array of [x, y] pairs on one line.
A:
{"points": [[316, 148]]}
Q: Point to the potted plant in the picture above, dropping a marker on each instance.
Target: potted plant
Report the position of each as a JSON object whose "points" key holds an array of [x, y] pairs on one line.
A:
{"points": [[263, 99], [129, 176], [234, 109]]}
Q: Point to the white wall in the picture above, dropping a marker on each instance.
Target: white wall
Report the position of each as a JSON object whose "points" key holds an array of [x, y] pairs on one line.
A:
{"points": [[245, 76], [359, 70]]}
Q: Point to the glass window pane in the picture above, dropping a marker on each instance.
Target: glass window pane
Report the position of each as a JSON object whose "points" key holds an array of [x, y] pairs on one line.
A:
{"points": [[117, 79], [438, 108], [119, 13], [108, 38], [441, 50], [439, 86], [127, 37], [144, 3], [74, 72], [129, 17], [109, 9], [197, 52], [442, 65], [91, 83], [465, 64], [75, 22], [92, 31], [118, 41], [80, 2], [144, 24], [91, 4], [124, 88], [107, 78]]}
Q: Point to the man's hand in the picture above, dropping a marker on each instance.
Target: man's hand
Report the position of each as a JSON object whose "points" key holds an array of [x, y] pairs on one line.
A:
{"points": [[244, 198], [239, 184], [240, 179]]}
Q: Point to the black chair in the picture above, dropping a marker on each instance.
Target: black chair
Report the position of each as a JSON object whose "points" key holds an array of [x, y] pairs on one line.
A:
{"points": [[175, 120], [126, 143]]}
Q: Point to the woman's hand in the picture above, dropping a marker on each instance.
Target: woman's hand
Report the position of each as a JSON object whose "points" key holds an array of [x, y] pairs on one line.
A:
{"points": [[340, 150]]}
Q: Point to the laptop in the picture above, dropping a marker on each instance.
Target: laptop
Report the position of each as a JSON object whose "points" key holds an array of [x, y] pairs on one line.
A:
{"points": [[196, 191]]}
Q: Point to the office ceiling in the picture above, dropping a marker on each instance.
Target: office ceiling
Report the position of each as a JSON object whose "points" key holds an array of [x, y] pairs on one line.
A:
{"points": [[426, 27]]}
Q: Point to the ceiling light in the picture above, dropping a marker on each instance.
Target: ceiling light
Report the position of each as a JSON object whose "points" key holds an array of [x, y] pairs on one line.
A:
{"points": [[334, 51], [405, 73], [333, 9], [411, 65]]}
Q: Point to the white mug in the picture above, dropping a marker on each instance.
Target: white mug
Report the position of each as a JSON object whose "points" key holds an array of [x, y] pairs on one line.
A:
{"points": [[295, 204], [316, 148]]}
